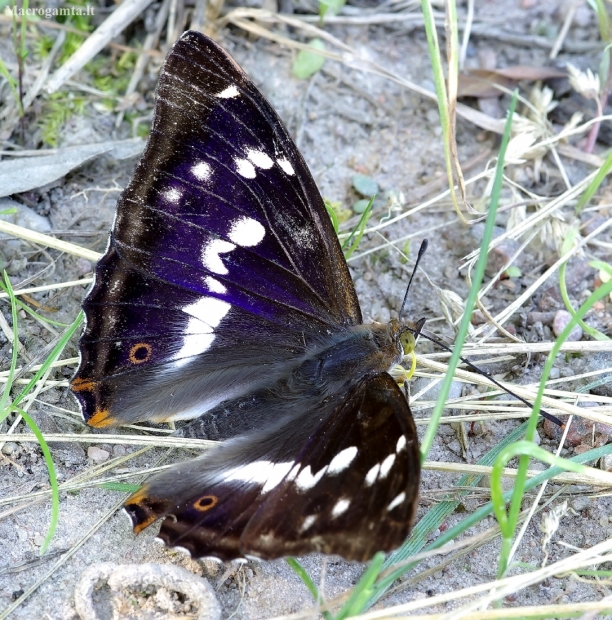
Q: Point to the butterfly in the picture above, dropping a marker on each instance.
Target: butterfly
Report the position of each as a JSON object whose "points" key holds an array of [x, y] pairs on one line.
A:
{"points": [[224, 299]]}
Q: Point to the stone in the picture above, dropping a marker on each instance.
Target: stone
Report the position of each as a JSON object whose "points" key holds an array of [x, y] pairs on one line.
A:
{"points": [[97, 455], [560, 322]]}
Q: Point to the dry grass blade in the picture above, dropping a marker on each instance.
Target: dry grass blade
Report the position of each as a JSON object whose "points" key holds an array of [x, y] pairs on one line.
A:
{"points": [[492, 591], [50, 287], [242, 17], [173, 442], [47, 241], [530, 290], [465, 468], [521, 613]]}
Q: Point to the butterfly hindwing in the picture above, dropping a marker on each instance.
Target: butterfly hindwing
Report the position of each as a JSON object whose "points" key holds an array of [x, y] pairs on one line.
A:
{"points": [[350, 489], [353, 489], [221, 240]]}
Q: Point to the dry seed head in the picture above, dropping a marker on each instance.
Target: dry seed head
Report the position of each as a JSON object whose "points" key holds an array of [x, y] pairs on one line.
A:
{"points": [[553, 232], [452, 306], [542, 100], [550, 524], [523, 146], [519, 146], [573, 122], [584, 82], [516, 216]]}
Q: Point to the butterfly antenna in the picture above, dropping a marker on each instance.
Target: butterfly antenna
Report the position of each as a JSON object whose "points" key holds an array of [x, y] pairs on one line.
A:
{"points": [[422, 251], [548, 416]]}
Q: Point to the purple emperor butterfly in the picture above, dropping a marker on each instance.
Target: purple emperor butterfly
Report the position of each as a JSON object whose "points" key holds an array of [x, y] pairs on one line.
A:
{"points": [[224, 298]]}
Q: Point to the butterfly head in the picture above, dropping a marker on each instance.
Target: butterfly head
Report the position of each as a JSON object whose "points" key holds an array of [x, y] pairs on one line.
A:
{"points": [[405, 334], [408, 341]]}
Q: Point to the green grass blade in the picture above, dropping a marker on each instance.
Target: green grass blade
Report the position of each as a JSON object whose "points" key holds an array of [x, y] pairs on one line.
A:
{"points": [[5, 396], [358, 231], [52, 479], [594, 184], [363, 590], [55, 352], [476, 281], [37, 316], [508, 522], [121, 487], [332, 216], [300, 571]]}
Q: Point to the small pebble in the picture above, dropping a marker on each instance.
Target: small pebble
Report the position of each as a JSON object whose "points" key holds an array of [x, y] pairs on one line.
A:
{"points": [[606, 462], [97, 455], [22, 534], [83, 266], [39, 539], [10, 447], [118, 450], [562, 318], [580, 503]]}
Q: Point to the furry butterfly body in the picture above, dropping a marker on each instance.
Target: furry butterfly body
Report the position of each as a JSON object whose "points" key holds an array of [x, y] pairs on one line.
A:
{"points": [[224, 299]]}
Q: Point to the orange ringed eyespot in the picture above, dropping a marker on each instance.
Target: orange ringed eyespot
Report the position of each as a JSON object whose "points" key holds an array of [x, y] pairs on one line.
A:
{"points": [[140, 353], [206, 502]]}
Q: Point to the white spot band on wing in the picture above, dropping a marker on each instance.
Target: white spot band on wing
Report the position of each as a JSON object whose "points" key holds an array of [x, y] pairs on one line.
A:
{"points": [[245, 168], [259, 159], [198, 335], [228, 93], [371, 476], [386, 465], [306, 480], [214, 286], [210, 255], [194, 343], [172, 195], [286, 166], [210, 310], [308, 521], [246, 232], [340, 507], [342, 460], [259, 472], [201, 171], [397, 501], [401, 444]]}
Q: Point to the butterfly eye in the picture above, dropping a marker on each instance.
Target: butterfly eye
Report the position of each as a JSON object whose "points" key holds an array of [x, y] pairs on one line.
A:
{"points": [[408, 342]]}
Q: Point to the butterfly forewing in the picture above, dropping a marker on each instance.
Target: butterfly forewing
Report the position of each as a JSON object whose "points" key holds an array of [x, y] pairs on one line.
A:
{"points": [[221, 227]]}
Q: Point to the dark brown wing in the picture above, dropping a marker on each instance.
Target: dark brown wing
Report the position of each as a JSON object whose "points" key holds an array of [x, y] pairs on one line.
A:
{"points": [[350, 490]]}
